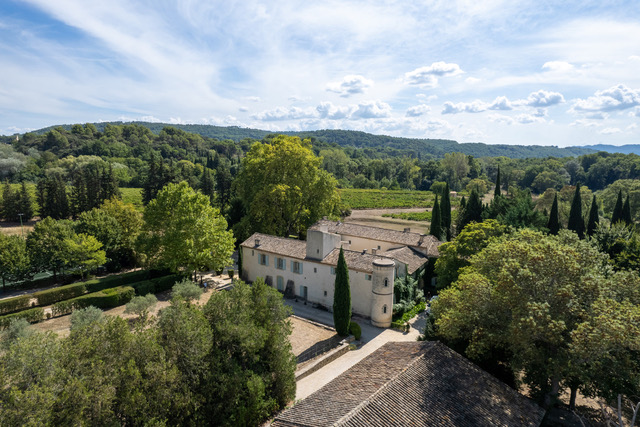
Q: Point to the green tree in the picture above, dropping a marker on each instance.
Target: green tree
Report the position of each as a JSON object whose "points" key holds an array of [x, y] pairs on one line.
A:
{"points": [[283, 187], [472, 211], [141, 305], [435, 228], [14, 259], [496, 191], [342, 297], [10, 203], [554, 221], [455, 167], [86, 317], [513, 301], [252, 354], [25, 203], [186, 290], [617, 214], [456, 254], [183, 232], [576, 222], [445, 207], [626, 212], [46, 245], [240, 263], [83, 252], [594, 219], [207, 185]]}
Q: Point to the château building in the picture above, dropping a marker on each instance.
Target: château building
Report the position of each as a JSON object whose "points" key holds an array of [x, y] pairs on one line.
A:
{"points": [[306, 269]]}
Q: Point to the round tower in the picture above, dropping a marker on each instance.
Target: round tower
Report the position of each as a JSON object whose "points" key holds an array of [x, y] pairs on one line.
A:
{"points": [[382, 292]]}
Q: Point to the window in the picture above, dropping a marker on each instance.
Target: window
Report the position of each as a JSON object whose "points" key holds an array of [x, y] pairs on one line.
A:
{"points": [[263, 259], [325, 293], [367, 277], [384, 309], [386, 282], [315, 270], [296, 267], [333, 270], [252, 254], [378, 246], [281, 263]]}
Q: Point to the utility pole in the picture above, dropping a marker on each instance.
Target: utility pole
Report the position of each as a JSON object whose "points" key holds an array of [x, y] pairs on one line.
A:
{"points": [[21, 226]]}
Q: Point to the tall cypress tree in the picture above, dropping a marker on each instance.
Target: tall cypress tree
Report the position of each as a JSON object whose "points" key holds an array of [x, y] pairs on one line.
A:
{"points": [[25, 203], [626, 212], [593, 218], [445, 208], [554, 222], [472, 211], [10, 203], [342, 297], [576, 222], [436, 221], [496, 191], [617, 210]]}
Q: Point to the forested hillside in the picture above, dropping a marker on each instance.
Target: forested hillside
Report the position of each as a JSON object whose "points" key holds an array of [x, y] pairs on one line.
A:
{"points": [[425, 148]]}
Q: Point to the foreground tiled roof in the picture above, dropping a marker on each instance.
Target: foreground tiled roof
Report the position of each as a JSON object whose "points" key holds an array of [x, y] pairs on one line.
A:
{"points": [[277, 245], [406, 255], [407, 238], [414, 384]]}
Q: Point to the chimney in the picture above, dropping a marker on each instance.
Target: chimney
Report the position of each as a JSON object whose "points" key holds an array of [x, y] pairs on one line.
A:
{"points": [[373, 251], [407, 229], [257, 242]]}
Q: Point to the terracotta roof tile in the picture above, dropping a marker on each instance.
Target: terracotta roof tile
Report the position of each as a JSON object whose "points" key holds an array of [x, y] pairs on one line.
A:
{"points": [[414, 384], [407, 255], [407, 238], [277, 245]]}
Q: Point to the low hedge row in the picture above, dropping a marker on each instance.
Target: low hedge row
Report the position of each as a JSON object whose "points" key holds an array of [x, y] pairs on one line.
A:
{"points": [[106, 298], [154, 286], [32, 315], [61, 293]]}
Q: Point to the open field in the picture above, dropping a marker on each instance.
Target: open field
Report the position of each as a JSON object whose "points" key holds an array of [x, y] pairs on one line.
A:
{"points": [[371, 199], [14, 229], [133, 196], [375, 218]]}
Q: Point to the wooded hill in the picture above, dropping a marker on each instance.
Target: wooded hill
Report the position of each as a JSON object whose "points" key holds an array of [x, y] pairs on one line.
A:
{"points": [[417, 147]]}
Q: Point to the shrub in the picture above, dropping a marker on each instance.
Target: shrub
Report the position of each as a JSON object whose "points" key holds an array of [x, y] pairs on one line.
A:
{"points": [[86, 316], [186, 290], [10, 305], [355, 330], [145, 287], [31, 315], [18, 328], [107, 298], [141, 305], [231, 272], [167, 282]]}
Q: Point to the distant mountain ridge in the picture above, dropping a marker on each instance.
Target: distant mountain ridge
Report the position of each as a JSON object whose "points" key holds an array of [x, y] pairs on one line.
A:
{"points": [[423, 147], [622, 149]]}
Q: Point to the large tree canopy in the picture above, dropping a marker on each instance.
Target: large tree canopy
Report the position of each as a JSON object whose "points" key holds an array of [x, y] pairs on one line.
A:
{"points": [[283, 187], [535, 298], [183, 232]]}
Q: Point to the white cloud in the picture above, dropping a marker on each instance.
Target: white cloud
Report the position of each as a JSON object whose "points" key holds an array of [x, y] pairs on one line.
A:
{"points": [[243, 109], [329, 111], [283, 113], [501, 118], [428, 76], [372, 110], [253, 98], [543, 98], [500, 103], [615, 98], [418, 110], [610, 131], [632, 126], [585, 123], [477, 106], [526, 119], [350, 85], [472, 80], [599, 115], [558, 66]]}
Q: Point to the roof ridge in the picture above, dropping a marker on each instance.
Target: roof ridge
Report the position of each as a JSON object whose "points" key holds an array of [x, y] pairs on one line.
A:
{"points": [[369, 226]]}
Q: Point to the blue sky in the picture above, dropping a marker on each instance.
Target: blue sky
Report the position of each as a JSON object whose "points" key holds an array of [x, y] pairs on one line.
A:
{"points": [[495, 71]]}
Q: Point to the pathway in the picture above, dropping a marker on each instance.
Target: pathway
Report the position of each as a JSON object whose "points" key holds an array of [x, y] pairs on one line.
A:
{"points": [[372, 339]]}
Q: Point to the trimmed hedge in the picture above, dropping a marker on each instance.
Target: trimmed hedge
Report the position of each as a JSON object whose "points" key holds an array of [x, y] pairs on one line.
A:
{"points": [[167, 282], [355, 330], [33, 315], [18, 303], [106, 298], [145, 287]]}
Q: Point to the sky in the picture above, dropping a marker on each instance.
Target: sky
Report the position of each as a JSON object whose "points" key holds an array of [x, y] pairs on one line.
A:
{"points": [[521, 72]]}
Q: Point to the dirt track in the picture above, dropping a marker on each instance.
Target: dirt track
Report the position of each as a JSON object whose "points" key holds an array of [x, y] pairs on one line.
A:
{"points": [[374, 218]]}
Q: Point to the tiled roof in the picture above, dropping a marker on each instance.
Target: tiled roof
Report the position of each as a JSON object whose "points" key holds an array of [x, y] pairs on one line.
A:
{"points": [[406, 255], [355, 260], [277, 245], [407, 238], [414, 384]]}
